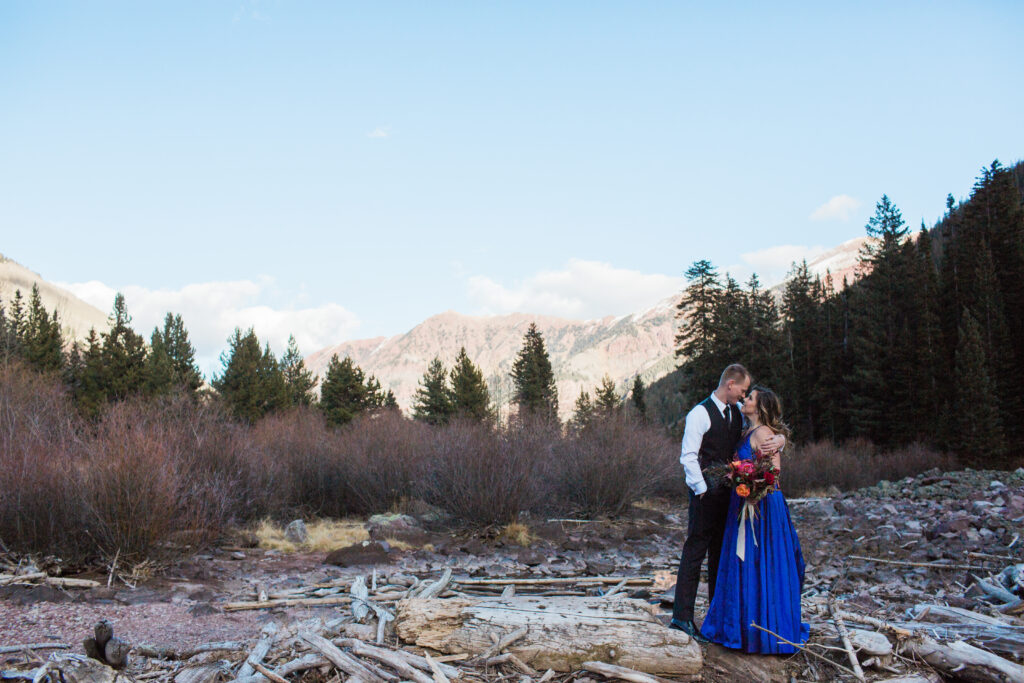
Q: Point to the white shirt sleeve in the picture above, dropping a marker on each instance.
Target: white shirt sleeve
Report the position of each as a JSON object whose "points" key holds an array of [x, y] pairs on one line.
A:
{"points": [[698, 422]]}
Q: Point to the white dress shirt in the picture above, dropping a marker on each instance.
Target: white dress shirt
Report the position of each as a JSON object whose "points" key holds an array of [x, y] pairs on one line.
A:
{"points": [[698, 422]]}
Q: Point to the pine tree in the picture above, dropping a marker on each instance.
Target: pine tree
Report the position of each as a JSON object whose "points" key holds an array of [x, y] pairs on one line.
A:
{"points": [[979, 435], [922, 348], [16, 319], [42, 341], [390, 402], [159, 369], [606, 400], [124, 355], [533, 378], [582, 412], [878, 316], [299, 382], [251, 383], [469, 395], [696, 340], [87, 380], [637, 395], [433, 402], [344, 393], [182, 354], [805, 333], [762, 340]]}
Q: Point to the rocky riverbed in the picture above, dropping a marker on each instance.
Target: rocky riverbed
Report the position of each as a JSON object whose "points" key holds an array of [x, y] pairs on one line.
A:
{"points": [[882, 551]]}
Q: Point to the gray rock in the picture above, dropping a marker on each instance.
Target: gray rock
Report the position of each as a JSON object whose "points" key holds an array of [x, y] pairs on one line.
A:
{"points": [[870, 643], [296, 532]]}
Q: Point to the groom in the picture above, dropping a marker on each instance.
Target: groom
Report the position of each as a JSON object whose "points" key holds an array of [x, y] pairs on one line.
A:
{"points": [[713, 431]]}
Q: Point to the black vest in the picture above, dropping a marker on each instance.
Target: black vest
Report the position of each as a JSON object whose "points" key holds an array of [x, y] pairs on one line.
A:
{"points": [[719, 444]]}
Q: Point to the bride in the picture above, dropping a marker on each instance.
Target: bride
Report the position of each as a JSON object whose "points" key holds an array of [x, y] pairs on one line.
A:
{"points": [[764, 586]]}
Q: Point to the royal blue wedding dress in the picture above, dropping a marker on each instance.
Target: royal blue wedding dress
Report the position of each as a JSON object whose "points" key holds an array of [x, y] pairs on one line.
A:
{"points": [[764, 588]]}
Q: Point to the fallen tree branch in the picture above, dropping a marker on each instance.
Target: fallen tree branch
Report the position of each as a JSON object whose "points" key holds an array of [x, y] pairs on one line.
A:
{"points": [[7, 649]]}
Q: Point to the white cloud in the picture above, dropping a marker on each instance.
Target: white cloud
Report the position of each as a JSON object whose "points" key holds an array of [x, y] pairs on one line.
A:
{"points": [[581, 290], [773, 263], [840, 207], [380, 132], [212, 310]]}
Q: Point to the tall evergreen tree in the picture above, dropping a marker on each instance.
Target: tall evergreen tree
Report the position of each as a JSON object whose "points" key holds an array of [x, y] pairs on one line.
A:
{"points": [[469, 395], [87, 378], [16, 318], [637, 396], [433, 402], [762, 340], [344, 393], [582, 412], [533, 378], [878, 315], [299, 382], [42, 341], [805, 333], [696, 339], [159, 369], [979, 434], [182, 354], [921, 349], [606, 399], [124, 355], [251, 383]]}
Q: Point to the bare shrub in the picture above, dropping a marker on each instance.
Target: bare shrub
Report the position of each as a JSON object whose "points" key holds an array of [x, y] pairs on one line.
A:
{"points": [[159, 471], [484, 476], [40, 507], [817, 466], [304, 472], [612, 463], [384, 454]]}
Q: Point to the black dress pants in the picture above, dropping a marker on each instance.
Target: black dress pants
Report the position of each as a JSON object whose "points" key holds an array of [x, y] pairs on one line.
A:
{"points": [[705, 530]]}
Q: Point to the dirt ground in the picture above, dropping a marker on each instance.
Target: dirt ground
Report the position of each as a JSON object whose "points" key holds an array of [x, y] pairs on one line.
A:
{"points": [[183, 603]]}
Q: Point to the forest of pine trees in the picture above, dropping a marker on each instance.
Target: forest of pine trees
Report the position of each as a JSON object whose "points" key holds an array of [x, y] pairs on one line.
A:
{"points": [[926, 345]]}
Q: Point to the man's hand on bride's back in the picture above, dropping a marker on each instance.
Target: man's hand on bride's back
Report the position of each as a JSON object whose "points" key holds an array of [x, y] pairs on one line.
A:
{"points": [[773, 444]]}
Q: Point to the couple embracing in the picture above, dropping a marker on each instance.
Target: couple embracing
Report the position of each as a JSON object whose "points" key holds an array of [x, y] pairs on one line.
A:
{"points": [[755, 567]]}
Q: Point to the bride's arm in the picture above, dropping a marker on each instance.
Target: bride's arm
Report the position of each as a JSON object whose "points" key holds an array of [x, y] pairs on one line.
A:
{"points": [[761, 437]]}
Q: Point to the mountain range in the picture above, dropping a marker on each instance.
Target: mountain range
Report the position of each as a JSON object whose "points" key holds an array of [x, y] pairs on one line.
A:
{"points": [[581, 351]]}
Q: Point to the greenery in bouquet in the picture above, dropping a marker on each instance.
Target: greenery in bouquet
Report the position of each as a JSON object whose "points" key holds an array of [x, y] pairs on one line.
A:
{"points": [[753, 479]]}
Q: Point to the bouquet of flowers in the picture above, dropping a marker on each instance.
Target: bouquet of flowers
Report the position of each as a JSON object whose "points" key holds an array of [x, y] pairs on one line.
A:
{"points": [[753, 479]]}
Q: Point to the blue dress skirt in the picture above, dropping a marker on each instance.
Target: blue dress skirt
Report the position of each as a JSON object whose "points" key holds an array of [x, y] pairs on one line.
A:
{"points": [[764, 587]]}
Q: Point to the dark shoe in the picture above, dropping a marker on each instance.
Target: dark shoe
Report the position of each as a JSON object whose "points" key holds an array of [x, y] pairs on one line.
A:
{"points": [[689, 628]]}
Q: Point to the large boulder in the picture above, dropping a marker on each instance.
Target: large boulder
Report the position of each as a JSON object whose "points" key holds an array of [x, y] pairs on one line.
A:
{"points": [[360, 554], [296, 532]]}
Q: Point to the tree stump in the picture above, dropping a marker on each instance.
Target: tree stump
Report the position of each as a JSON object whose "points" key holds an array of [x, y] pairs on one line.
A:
{"points": [[561, 633]]}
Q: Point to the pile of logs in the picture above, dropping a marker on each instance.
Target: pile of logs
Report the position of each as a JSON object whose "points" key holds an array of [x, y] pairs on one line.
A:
{"points": [[427, 631], [383, 629]]}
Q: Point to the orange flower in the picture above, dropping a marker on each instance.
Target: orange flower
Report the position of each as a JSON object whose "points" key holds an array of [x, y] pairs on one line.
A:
{"points": [[742, 491], [734, 464]]}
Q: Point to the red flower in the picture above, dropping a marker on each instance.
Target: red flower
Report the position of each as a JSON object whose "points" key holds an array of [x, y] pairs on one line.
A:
{"points": [[769, 477]]}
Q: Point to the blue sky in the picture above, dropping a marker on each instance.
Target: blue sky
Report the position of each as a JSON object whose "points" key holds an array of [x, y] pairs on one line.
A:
{"points": [[344, 170]]}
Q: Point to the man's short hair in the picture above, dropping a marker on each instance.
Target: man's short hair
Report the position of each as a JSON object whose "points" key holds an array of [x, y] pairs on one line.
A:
{"points": [[735, 372]]}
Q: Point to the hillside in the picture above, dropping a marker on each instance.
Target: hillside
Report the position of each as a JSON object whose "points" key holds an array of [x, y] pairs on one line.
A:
{"points": [[76, 316]]}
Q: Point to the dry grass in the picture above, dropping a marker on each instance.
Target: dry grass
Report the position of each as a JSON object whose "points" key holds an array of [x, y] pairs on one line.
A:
{"points": [[516, 534], [324, 535]]}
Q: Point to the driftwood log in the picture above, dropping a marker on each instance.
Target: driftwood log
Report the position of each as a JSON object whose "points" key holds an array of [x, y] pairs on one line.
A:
{"points": [[964, 662], [75, 668], [561, 633]]}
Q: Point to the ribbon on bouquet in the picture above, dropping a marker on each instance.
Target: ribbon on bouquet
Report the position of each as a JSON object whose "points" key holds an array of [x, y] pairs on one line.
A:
{"points": [[748, 511]]}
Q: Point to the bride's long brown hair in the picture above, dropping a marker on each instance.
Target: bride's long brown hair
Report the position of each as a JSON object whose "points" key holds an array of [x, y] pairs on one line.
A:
{"points": [[769, 410]]}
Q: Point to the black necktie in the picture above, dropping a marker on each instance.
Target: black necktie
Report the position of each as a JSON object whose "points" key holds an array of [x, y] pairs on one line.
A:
{"points": [[728, 416]]}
